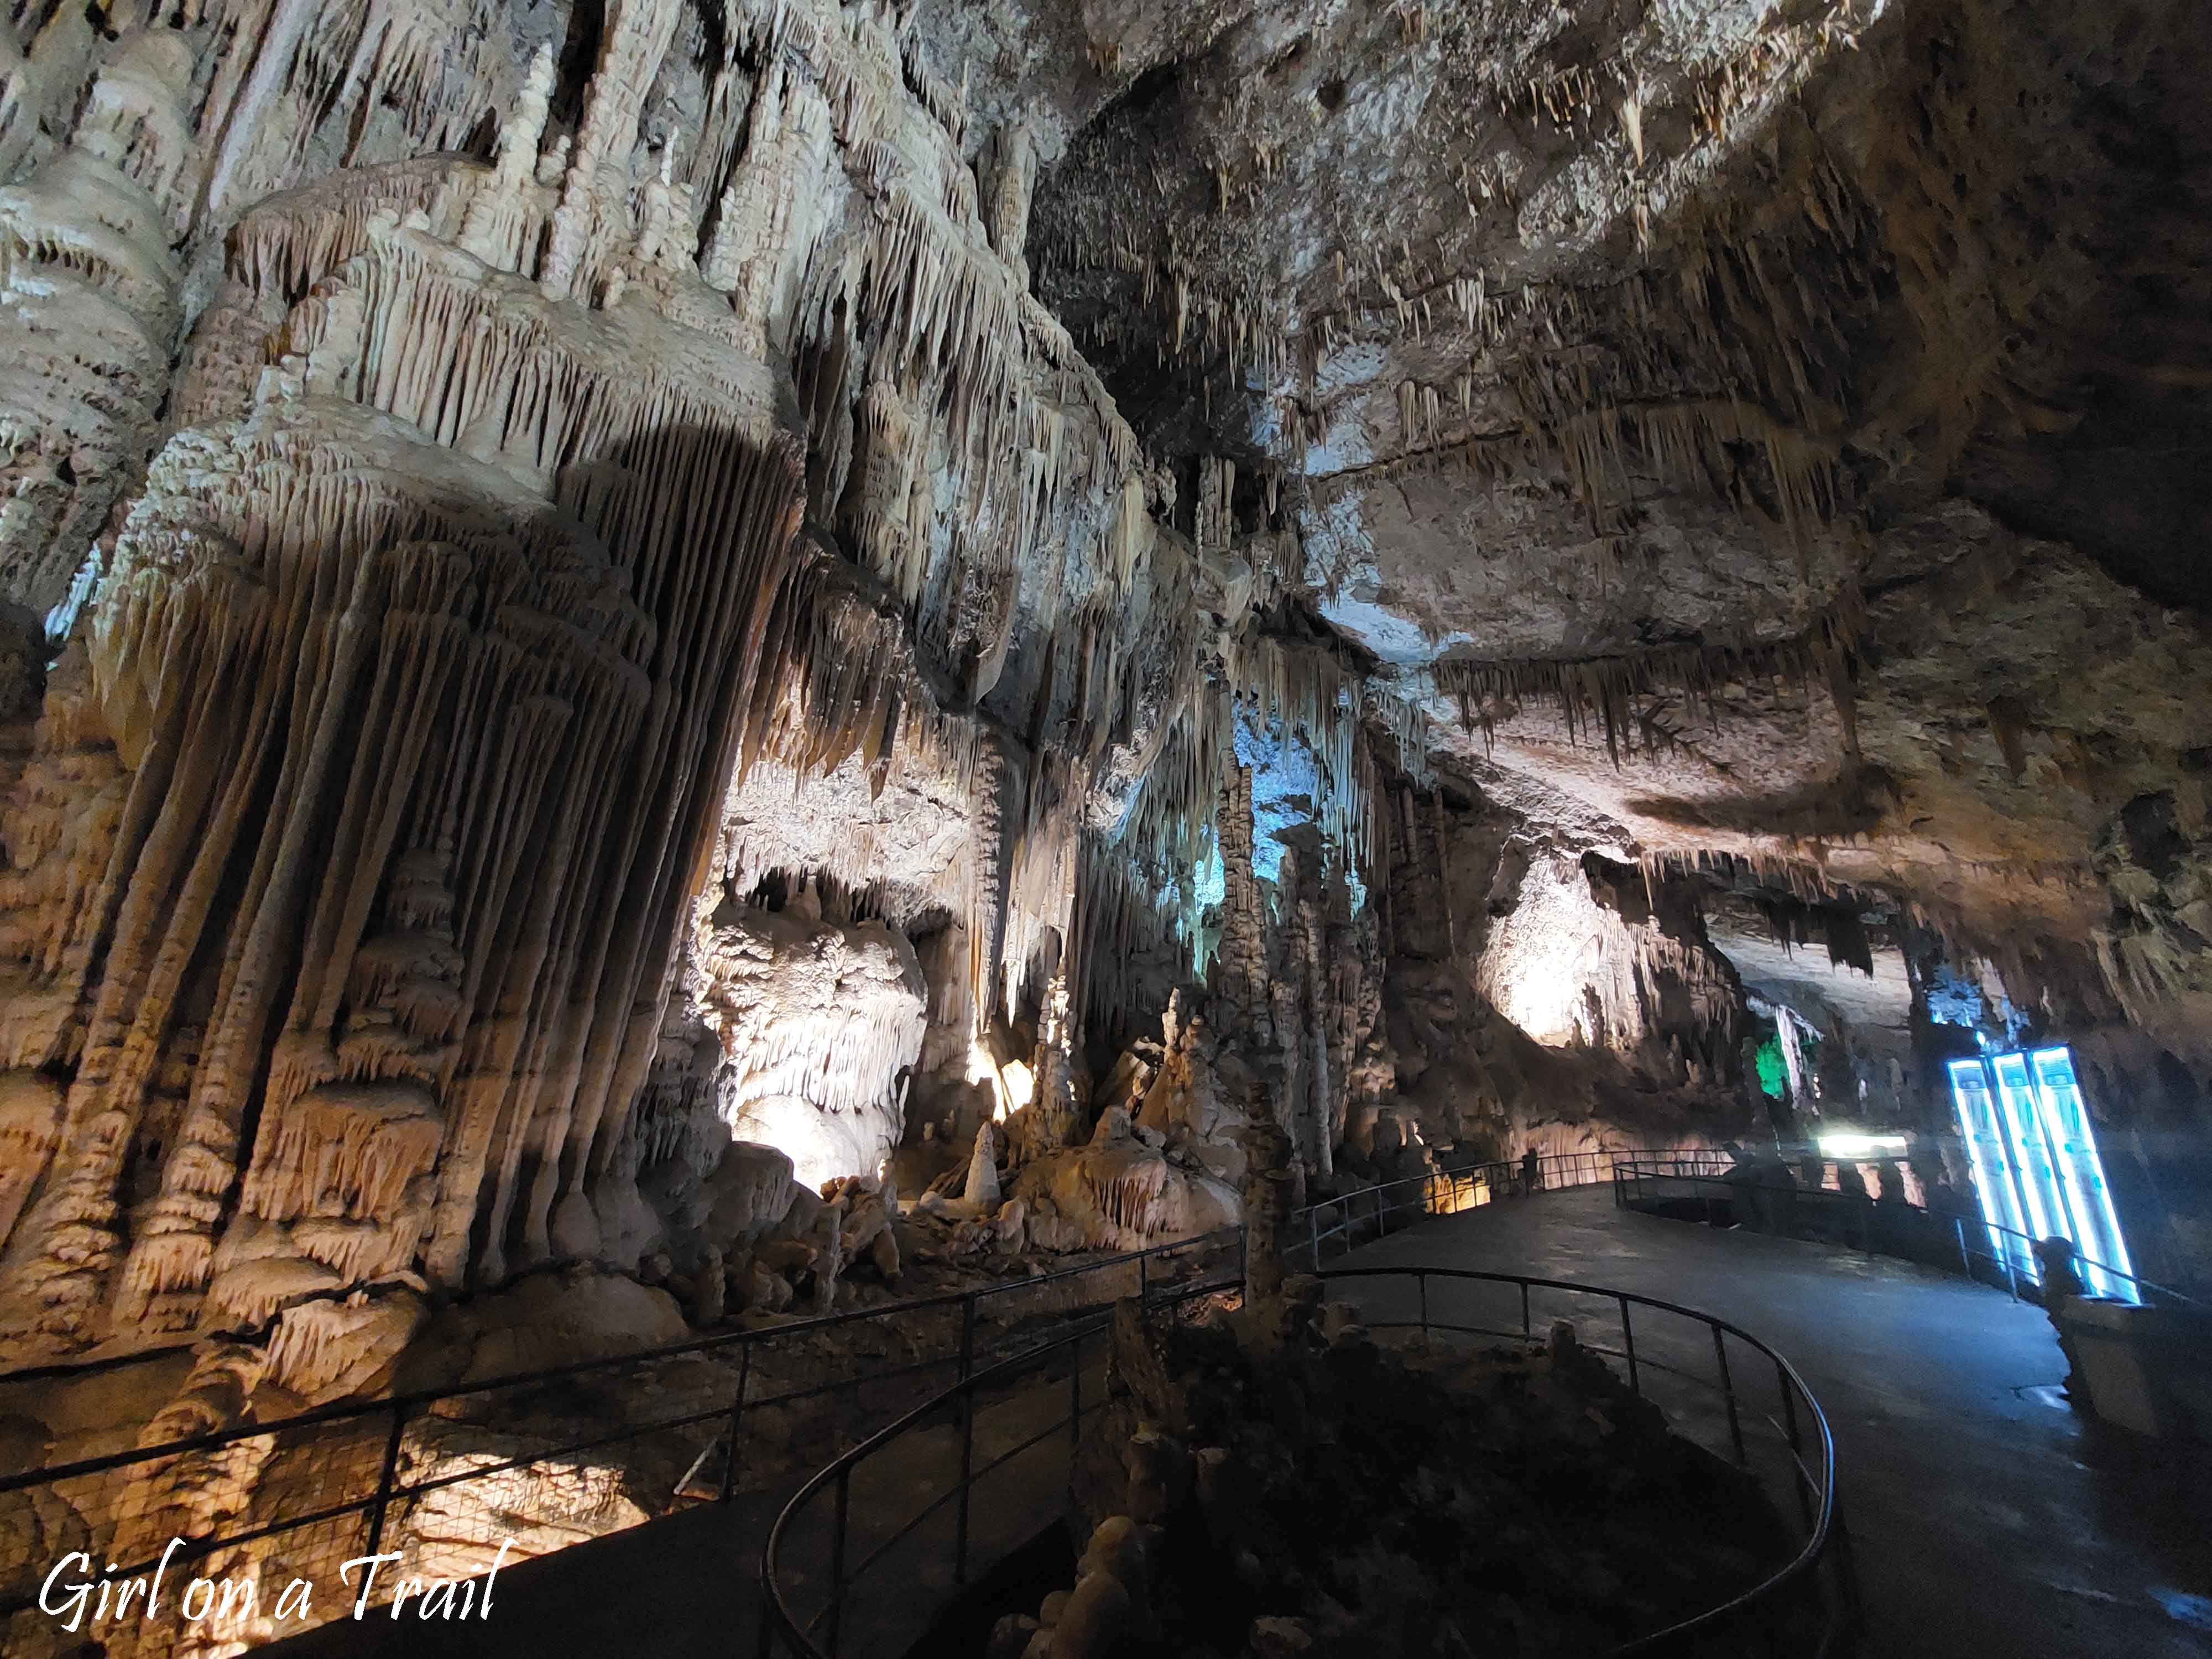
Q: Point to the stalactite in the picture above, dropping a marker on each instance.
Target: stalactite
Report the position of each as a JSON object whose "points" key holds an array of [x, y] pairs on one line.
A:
{"points": [[634, 35], [505, 683], [1598, 694], [88, 305], [1013, 174], [1217, 484], [1241, 964], [1308, 690]]}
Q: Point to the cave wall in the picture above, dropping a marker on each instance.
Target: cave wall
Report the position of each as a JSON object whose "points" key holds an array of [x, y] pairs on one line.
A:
{"points": [[594, 476], [1542, 994], [616, 620], [581, 589]]}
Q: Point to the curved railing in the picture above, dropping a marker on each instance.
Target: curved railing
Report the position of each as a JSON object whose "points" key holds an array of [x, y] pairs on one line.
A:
{"points": [[1951, 1242], [819, 1601], [1027, 1451], [1797, 1445], [376, 1459], [1350, 1219]]}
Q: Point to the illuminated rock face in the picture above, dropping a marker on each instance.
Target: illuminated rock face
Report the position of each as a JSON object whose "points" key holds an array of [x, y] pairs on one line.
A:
{"points": [[358, 842], [820, 1028], [608, 619]]}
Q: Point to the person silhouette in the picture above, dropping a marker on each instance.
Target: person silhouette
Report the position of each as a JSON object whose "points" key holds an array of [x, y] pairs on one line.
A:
{"points": [[2060, 1281]]}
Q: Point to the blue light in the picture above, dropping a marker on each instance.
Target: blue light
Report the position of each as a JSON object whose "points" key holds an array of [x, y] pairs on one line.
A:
{"points": [[2031, 1158], [2066, 1127], [1988, 1152], [2036, 1166]]}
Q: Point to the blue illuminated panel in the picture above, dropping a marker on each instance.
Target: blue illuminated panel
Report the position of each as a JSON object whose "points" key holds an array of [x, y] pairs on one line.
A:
{"points": [[2036, 1167], [2032, 1162], [2081, 1171], [1988, 1148]]}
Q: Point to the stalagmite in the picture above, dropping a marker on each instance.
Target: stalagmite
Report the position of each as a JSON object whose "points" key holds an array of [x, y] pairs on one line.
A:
{"points": [[983, 1187]]}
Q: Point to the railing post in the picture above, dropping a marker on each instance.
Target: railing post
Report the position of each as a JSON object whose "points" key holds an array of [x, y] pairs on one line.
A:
{"points": [[837, 1556], [1728, 1392], [1628, 1342], [967, 1436], [1797, 1445], [737, 1417], [1526, 1334], [1075, 1399], [1959, 1230], [2012, 1273], [1144, 1277], [388, 1479], [1313, 1234], [1421, 1279]]}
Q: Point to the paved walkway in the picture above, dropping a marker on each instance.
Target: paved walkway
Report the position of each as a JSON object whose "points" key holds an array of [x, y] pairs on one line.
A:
{"points": [[1988, 1524], [686, 1586]]}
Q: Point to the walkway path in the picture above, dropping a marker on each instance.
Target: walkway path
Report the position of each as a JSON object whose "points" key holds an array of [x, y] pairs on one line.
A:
{"points": [[1987, 1523], [686, 1586]]}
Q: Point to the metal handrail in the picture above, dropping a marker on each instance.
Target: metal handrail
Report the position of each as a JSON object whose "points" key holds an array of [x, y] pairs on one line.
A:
{"points": [[782, 1624], [1824, 1524], [1586, 1168], [1637, 1169], [417, 1398], [778, 1618], [403, 1408]]}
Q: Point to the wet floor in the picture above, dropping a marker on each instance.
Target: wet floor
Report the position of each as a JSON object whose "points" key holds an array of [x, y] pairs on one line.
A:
{"points": [[1988, 1522]]}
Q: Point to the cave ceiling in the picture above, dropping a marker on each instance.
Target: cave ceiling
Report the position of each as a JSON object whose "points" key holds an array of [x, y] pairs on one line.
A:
{"points": [[576, 579], [1590, 343]]}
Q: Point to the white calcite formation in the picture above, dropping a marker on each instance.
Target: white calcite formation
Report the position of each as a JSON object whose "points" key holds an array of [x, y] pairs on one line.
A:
{"points": [[358, 841], [820, 1027]]}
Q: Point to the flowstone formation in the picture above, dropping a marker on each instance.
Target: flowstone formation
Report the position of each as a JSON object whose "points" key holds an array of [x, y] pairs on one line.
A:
{"points": [[662, 641], [1275, 1482]]}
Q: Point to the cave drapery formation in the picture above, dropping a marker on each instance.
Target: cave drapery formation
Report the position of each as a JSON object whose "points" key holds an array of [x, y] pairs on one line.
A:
{"points": [[617, 613]]}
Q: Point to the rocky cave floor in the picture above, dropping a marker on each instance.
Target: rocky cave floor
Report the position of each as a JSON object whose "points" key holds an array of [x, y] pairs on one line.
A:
{"points": [[1277, 1482]]}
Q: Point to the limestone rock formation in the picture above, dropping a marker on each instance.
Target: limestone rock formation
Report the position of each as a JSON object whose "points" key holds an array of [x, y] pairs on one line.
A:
{"points": [[1239, 1480], [1118, 1192], [647, 641], [820, 1027]]}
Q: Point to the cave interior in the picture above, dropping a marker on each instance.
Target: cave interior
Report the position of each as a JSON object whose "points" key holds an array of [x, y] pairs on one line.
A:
{"points": [[751, 646]]}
